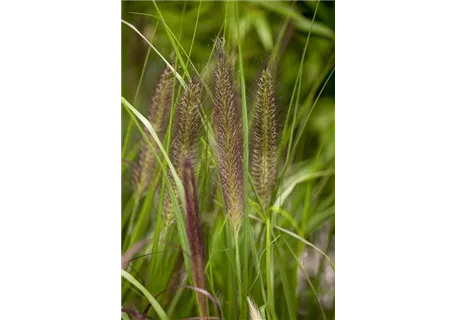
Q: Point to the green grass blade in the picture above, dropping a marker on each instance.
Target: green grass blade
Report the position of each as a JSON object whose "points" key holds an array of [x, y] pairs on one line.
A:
{"points": [[155, 305], [288, 292], [300, 176], [245, 134], [173, 42], [294, 235], [141, 77], [125, 316], [270, 270], [178, 76], [314, 291], [301, 129], [263, 29], [149, 127], [177, 212]]}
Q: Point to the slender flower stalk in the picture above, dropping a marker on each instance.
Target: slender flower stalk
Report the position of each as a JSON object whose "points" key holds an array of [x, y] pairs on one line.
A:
{"points": [[228, 135], [264, 138], [158, 116], [194, 233]]}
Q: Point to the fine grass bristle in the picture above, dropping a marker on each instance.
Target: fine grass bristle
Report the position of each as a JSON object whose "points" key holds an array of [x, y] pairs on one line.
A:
{"points": [[158, 116], [228, 135], [264, 138], [187, 125], [194, 232]]}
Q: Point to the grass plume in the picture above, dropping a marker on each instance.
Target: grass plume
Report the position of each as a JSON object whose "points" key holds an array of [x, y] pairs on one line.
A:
{"points": [[187, 125], [158, 116], [194, 233], [228, 135], [264, 138]]}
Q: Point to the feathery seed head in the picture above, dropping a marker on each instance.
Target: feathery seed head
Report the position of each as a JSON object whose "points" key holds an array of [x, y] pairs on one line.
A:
{"points": [[264, 138], [158, 116], [187, 125], [228, 135]]}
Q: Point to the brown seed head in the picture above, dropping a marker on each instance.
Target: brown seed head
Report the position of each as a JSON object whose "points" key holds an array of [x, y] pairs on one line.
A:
{"points": [[228, 135], [264, 138], [187, 125], [158, 117]]}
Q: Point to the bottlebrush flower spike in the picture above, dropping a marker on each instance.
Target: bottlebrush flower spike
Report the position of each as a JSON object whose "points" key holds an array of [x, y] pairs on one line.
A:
{"points": [[158, 116], [228, 136], [264, 138], [187, 125]]}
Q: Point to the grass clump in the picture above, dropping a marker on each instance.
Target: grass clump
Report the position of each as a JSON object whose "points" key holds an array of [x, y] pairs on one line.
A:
{"points": [[237, 192]]}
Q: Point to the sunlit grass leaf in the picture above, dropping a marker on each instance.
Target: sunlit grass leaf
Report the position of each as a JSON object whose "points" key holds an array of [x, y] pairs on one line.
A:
{"points": [[303, 173]]}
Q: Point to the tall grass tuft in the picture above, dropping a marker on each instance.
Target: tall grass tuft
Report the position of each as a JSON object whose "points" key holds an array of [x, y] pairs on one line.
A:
{"points": [[187, 125], [158, 116], [264, 138], [228, 135], [194, 233]]}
